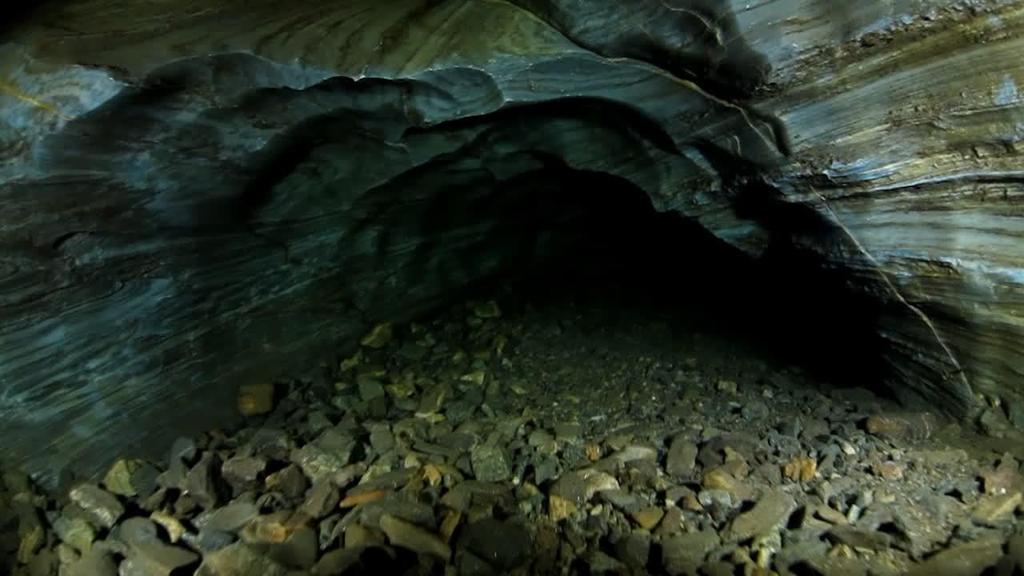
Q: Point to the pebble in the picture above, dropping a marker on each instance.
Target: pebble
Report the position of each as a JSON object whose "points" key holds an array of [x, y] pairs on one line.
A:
{"points": [[406, 535], [102, 507]]}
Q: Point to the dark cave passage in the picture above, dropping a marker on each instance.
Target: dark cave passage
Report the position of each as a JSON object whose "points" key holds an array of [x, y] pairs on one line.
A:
{"points": [[597, 242]]}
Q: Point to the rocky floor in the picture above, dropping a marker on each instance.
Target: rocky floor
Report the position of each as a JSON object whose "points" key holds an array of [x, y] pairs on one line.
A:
{"points": [[582, 441]]}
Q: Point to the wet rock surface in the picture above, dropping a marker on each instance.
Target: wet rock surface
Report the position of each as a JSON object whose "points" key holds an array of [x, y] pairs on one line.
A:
{"points": [[544, 442]]}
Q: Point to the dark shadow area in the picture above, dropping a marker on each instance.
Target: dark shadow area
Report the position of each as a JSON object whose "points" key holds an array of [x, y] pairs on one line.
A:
{"points": [[618, 254]]}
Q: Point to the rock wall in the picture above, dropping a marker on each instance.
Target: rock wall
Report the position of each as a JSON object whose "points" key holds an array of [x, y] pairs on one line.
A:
{"points": [[197, 196]]}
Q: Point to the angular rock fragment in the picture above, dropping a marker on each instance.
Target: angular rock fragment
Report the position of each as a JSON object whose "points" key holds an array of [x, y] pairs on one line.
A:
{"points": [[406, 535], [960, 559], [996, 510], [289, 481], [242, 472], [684, 554], [769, 514], [239, 559], [203, 482], [130, 477], [92, 563], [321, 500], [505, 545], [102, 507], [490, 463], [682, 457], [230, 518]]}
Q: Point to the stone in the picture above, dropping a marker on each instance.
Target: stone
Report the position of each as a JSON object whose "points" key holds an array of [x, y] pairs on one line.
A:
{"points": [[76, 532], [340, 561], [902, 427], [321, 500], [170, 524], [888, 470], [682, 457], [239, 559], [131, 477], [230, 518], [648, 517], [298, 550], [490, 463], [359, 536], [624, 500], [370, 388], [769, 514], [634, 549], [505, 545], [560, 508], [433, 400], [580, 486], [800, 469], [719, 479], [92, 563], [406, 535], [31, 541], [256, 399], [683, 554], [289, 481], [136, 530], [860, 539], [1004, 478], [727, 387], [243, 472], [208, 540], [154, 558], [379, 336], [996, 510], [960, 559], [102, 507], [203, 482], [272, 443]]}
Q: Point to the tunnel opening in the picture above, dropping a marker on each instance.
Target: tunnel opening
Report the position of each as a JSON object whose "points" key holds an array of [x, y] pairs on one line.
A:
{"points": [[597, 243]]}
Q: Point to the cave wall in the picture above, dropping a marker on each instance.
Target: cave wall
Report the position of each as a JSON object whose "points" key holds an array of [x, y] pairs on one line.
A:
{"points": [[201, 195]]}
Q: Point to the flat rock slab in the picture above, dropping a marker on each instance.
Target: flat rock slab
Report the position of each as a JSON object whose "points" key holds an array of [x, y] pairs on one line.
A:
{"points": [[769, 514]]}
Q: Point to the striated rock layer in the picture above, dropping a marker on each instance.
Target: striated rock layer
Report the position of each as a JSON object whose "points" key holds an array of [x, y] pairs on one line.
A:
{"points": [[200, 195]]}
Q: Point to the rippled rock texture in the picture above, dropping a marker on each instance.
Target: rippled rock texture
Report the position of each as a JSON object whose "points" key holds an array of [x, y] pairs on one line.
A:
{"points": [[197, 196]]}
